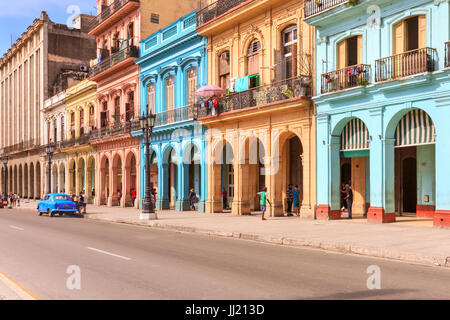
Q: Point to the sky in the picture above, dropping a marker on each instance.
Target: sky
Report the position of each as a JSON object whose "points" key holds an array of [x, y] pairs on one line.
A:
{"points": [[17, 15]]}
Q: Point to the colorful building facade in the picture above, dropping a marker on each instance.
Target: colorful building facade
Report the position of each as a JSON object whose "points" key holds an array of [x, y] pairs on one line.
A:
{"points": [[261, 133], [172, 67], [81, 121], [382, 104]]}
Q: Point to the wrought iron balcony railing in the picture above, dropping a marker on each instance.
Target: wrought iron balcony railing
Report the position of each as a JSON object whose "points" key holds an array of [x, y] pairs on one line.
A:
{"points": [[108, 11], [115, 129], [129, 52], [215, 10], [174, 115], [350, 77], [315, 6], [21, 146], [275, 92], [81, 140], [405, 64], [447, 54]]}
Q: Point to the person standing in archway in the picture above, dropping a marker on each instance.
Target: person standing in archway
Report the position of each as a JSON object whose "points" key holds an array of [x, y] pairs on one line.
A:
{"points": [[296, 200], [289, 199], [349, 199], [224, 199], [133, 196]]}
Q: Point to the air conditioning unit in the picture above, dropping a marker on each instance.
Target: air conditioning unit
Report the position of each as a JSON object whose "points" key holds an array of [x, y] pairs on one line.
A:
{"points": [[84, 68]]}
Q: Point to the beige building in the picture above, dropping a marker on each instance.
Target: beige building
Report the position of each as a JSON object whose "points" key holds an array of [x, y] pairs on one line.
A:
{"points": [[261, 133], [29, 75]]}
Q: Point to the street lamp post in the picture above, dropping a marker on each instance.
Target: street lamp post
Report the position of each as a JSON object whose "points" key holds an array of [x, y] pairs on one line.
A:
{"points": [[49, 149], [147, 123]]}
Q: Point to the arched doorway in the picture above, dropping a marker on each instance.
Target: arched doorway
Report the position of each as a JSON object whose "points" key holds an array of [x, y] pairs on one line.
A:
{"points": [[62, 178], [117, 181], [90, 180], [20, 191], [131, 178], [227, 176], [104, 186], [415, 179], [72, 177], [55, 181], [192, 170], [15, 180], [25, 181], [169, 179], [31, 194], [38, 180], [354, 166], [81, 176]]}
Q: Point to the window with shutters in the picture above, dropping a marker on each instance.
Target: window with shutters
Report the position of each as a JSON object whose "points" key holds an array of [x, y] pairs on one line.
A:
{"points": [[151, 98], [130, 106], [48, 132], [62, 127], [224, 70], [410, 34], [131, 34], [170, 93], [55, 130], [253, 57], [104, 115], [72, 125], [91, 117], [349, 52], [289, 54], [191, 85], [81, 122], [117, 109]]}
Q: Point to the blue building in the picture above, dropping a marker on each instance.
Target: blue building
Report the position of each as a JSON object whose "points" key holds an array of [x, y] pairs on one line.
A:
{"points": [[383, 105], [172, 67]]}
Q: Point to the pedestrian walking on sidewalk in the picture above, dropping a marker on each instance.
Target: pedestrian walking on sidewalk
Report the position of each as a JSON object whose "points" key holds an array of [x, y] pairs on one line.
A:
{"points": [[262, 202], [18, 200], [133, 196], [192, 199], [119, 196], [224, 199], [82, 202], [289, 199], [296, 200], [349, 199]]}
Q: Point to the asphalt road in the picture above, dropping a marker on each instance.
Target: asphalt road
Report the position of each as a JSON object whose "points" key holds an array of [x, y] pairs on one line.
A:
{"points": [[128, 262]]}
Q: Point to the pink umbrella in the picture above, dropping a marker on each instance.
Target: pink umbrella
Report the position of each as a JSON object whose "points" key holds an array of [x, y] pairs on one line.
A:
{"points": [[209, 91]]}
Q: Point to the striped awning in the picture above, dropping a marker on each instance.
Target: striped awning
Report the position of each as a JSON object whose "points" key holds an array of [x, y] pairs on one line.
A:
{"points": [[415, 128], [355, 136]]}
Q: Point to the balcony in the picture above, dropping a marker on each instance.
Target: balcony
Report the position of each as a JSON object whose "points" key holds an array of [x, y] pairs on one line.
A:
{"points": [[350, 77], [447, 54], [21, 147], [216, 9], [294, 88], [113, 60], [313, 7], [107, 15], [81, 140], [115, 129], [405, 64], [174, 116]]}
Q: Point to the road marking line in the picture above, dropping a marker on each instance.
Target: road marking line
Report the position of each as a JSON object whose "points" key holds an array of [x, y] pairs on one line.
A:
{"points": [[23, 293], [109, 253], [17, 228]]}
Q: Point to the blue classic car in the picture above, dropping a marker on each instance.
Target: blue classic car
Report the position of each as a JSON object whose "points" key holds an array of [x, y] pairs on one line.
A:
{"points": [[56, 203]]}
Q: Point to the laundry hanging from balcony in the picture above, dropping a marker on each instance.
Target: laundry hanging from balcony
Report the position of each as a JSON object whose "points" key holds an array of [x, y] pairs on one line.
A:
{"points": [[241, 84]]}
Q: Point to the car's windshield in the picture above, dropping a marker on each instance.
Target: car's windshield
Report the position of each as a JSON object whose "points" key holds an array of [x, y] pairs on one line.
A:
{"points": [[62, 198]]}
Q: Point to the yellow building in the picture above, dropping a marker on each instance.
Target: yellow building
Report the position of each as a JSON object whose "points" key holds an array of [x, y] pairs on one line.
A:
{"points": [[81, 112], [261, 133]]}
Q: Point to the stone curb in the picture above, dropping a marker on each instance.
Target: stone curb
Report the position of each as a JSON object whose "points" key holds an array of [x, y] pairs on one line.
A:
{"points": [[386, 253]]}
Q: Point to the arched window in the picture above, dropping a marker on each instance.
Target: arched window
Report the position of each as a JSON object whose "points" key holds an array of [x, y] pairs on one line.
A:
{"points": [[349, 52], [62, 128], [130, 106], [253, 57], [91, 117], [72, 125], [81, 122], [191, 85], [224, 70], [151, 98], [131, 34], [170, 93], [289, 52], [55, 130], [48, 132]]}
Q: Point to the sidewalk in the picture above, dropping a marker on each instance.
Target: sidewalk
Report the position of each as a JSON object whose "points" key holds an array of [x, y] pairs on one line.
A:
{"points": [[410, 239]]}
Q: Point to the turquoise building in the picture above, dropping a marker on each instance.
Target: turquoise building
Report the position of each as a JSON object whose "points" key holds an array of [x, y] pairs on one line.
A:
{"points": [[383, 107], [172, 66]]}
